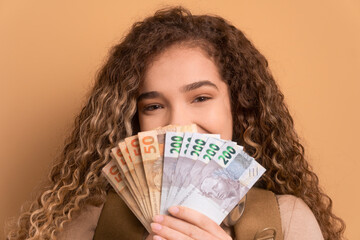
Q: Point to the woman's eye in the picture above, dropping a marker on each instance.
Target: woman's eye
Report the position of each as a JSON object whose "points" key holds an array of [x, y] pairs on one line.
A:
{"points": [[201, 99], [152, 107]]}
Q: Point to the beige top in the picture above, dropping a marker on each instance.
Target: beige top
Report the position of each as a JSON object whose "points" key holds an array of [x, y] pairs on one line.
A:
{"points": [[297, 220]]}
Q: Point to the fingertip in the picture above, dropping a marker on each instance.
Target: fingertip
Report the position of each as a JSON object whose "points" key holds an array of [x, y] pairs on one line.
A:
{"points": [[155, 227], [173, 210], [157, 237]]}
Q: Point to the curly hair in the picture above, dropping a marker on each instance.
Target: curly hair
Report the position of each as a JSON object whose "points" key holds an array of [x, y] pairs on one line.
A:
{"points": [[262, 122]]}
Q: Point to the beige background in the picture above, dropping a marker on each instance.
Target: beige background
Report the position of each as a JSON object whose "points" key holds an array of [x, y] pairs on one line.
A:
{"points": [[50, 51]]}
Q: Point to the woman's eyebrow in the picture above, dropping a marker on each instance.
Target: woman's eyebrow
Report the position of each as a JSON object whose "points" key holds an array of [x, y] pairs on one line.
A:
{"points": [[148, 95], [195, 85], [186, 88]]}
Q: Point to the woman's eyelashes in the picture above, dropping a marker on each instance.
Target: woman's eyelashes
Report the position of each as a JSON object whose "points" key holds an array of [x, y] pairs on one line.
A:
{"points": [[155, 106], [152, 107], [201, 99]]}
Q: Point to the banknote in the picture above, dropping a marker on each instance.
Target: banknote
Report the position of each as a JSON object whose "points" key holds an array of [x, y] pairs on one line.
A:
{"points": [[207, 152], [170, 153], [174, 184], [133, 146], [173, 142], [112, 174], [223, 182], [152, 164], [128, 179], [129, 162], [127, 184], [211, 148], [152, 152], [186, 163]]}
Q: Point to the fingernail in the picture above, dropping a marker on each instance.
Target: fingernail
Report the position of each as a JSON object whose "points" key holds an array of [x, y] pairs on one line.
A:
{"points": [[173, 210], [155, 226], [156, 237], [158, 218]]}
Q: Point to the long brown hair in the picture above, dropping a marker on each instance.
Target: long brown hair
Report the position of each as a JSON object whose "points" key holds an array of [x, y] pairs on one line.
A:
{"points": [[262, 122]]}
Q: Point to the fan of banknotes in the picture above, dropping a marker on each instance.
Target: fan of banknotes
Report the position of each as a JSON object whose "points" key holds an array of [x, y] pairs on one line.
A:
{"points": [[175, 165]]}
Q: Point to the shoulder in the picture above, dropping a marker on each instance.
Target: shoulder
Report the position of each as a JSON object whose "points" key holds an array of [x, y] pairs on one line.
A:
{"points": [[297, 219], [83, 224]]}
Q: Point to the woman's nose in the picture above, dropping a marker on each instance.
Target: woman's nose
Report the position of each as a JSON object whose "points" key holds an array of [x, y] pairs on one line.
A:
{"points": [[179, 116]]}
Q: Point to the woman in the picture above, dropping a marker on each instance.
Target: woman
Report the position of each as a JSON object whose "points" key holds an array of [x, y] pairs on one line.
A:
{"points": [[178, 68]]}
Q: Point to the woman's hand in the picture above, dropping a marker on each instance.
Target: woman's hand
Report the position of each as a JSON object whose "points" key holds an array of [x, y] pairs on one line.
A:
{"points": [[186, 224]]}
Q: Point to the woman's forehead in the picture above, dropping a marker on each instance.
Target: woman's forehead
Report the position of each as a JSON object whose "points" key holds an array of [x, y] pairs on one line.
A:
{"points": [[179, 66]]}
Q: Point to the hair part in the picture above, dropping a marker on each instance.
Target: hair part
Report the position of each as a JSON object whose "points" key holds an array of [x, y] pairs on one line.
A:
{"points": [[261, 120]]}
